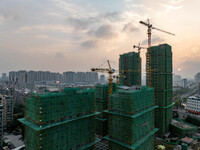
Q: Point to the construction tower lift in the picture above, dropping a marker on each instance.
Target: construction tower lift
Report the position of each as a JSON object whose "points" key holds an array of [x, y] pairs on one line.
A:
{"points": [[110, 72], [149, 28]]}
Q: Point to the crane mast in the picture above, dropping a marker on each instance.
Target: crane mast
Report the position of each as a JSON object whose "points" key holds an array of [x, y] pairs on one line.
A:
{"points": [[149, 28], [139, 64]]}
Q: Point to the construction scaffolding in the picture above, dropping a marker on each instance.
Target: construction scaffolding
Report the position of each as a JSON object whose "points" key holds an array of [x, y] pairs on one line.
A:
{"points": [[159, 67], [101, 94], [130, 127], [57, 121], [130, 69]]}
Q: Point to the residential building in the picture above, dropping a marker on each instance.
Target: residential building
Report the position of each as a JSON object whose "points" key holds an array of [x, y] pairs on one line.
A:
{"points": [[31, 76], [102, 78], [176, 80], [197, 78], [159, 77], [60, 121], [12, 76], [69, 77], [4, 77], [184, 83], [130, 69], [80, 77], [22, 76], [7, 102], [131, 119]]}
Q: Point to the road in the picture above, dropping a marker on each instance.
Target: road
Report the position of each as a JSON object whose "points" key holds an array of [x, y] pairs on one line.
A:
{"points": [[184, 95]]}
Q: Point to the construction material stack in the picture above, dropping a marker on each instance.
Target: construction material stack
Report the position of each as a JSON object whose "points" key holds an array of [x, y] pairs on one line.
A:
{"points": [[159, 76], [130, 69], [101, 94], [57, 121], [131, 119]]}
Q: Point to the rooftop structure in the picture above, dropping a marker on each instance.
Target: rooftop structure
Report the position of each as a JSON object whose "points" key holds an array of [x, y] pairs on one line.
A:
{"points": [[193, 105], [64, 120], [130, 69], [131, 118], [159, 76]]}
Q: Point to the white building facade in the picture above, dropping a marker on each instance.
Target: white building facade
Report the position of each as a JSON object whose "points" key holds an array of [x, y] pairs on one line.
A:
{"points": [[193, 105]]}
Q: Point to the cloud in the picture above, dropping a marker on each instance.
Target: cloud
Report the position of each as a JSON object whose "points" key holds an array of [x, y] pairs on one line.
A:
{"points": [[190, 66], [191, 63], [156, 40], [59, 55], [81, 24], [43, 28], [103, 32], [112, 16], [1, 18], [89, 44], [130, 27]]}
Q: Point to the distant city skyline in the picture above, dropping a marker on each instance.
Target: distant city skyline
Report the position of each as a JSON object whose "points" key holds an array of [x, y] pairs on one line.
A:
{"points": [[67, 35]]}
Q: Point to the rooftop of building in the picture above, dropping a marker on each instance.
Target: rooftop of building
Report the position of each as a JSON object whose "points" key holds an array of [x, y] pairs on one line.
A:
{"points": [[187, 140], [181, 124], [195, 97], [133, 88]]}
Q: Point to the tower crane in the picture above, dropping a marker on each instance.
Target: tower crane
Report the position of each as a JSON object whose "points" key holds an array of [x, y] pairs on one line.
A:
{"points": [[139, 65], [139, 48], [149, 28], [110, 72], [117, 78]]}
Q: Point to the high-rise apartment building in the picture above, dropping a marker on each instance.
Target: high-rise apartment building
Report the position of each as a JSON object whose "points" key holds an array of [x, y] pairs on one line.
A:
{"points": [[80, 77], [130, 69], [102, 78], [7, 102], [159, 76], [60, 121], [22, 76], [12, 76], [176, 80], [197, 78], [131, 119], [91, 77], [184, 83], [69, 77], [4, 77], [31, 76]]}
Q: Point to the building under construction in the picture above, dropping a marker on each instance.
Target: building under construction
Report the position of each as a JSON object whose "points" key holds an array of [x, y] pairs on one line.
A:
{"points": [[57, 121], [131, 119], [130, 69], [101, 99], [159, 76]]}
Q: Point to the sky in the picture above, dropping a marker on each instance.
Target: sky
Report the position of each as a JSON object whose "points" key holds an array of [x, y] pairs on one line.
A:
{"points": [[76, 35]]}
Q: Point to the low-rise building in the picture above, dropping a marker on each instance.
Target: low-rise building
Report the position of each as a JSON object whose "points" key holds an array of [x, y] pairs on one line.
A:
{"points": [[193, 105]]}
